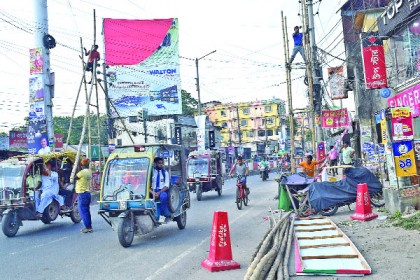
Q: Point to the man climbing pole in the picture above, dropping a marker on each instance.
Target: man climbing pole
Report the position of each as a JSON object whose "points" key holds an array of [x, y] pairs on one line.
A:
{"points": [[94, 57], [298, 46]]}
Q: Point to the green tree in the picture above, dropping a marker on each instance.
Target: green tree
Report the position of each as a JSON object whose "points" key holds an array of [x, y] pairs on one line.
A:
{"points": [[189, 103]]}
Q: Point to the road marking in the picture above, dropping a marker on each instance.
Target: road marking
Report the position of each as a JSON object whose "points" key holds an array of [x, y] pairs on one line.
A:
{"points": [[38, 246], [183, 255]]}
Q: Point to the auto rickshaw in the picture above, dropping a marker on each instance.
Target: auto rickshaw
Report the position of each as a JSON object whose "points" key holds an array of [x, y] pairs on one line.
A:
{"points": [[127, 202], [204, 171], [18, 200]]}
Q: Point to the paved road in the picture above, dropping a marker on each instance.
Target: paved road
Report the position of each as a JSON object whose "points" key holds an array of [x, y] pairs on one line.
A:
{"points": [[59, 251]]}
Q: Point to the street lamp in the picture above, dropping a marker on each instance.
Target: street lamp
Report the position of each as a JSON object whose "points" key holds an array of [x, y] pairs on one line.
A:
{"points": [[198, 81]]}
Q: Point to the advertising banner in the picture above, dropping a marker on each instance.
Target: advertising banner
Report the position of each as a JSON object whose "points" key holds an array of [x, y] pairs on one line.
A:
{"points": [[212, 140], [58, 141], [335, 118], [37, 137], [36, 89], [373, 61], [336, 79], [407, 98], [201, 131], [147, 74], [36, 63], [17, 140], [402, 124], [320, 151], [404, 159]]}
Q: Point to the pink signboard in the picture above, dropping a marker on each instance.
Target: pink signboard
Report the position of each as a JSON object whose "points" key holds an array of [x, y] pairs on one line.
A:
{"points": [[18, 139], [407, 98], [402, 124], [335, 118]]}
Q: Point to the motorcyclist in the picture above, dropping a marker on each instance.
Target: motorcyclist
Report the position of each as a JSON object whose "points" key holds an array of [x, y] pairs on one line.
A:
{"points": [[263, 165]]}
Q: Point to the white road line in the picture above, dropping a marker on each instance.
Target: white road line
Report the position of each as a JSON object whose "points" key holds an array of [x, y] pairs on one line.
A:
{"points": [[183, 255], [38, 246]]}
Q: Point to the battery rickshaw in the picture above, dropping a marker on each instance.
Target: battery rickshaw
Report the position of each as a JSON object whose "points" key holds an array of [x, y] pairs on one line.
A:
{"points": [[18, 199], [204, 171], [127, 202]]}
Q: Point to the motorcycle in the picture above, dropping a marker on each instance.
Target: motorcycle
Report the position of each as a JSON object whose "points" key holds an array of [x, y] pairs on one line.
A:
{"points": [[264, 172]]}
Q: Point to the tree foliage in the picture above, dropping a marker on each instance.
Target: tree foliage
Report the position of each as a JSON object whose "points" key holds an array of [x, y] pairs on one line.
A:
{"points": [[61, 126], [189, 103]]}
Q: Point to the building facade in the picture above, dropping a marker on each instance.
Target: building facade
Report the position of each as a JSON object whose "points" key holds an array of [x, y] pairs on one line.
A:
{"points": [[254, 125]]}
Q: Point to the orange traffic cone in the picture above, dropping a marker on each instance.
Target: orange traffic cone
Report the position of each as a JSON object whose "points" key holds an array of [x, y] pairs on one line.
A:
{"points": [[363, 207], [220, 255]]}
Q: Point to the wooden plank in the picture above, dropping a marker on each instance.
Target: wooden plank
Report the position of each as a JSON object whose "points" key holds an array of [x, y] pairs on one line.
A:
{"points": [[317, 229], [319, 237], [330, 257], [324, 245], [314, 224], [312, 218]]}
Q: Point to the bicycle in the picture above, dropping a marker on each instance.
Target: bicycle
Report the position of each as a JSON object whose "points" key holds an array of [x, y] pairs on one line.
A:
{"points": [[241, 193]]}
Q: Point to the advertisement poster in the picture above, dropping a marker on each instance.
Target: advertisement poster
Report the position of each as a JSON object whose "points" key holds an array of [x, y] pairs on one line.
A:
{"points": [[407, 98], [36, 89], [147, 75], [36, 64], [336, 79], [402, 124], [58, 141], [37, 137], [373, 61], [405, 162], [212, 140], [320, 151], [178, 135], [335, 118], [17, 140], [36, 111], [201, 131]]}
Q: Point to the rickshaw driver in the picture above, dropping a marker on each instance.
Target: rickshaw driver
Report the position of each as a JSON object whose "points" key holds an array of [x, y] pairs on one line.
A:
{"points": [[241, 169], [160, 183]]}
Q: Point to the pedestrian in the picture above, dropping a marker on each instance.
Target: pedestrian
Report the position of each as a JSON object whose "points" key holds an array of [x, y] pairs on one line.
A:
{"points": [[83, 181], [298, 46], [333, 160], [348, 153]]}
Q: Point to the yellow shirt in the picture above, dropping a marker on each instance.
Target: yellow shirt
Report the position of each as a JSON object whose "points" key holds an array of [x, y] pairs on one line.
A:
{"points": [[84, 181], [32, 181], [309, 168]]}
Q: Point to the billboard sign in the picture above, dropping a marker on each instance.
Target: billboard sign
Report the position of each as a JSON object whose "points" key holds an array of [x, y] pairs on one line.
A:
{"points": [[373, 61]]}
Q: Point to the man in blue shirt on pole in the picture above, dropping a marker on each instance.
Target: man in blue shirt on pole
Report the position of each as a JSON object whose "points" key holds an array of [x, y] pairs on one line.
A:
{"points": [[298, 46]]}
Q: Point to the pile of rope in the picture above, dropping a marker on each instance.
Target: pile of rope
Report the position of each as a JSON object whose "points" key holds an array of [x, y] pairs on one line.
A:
{"points": [[271, 258]]}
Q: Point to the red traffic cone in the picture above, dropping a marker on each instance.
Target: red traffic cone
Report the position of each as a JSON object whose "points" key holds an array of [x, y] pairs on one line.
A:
{"points": [[363, 207], [220, 255]]}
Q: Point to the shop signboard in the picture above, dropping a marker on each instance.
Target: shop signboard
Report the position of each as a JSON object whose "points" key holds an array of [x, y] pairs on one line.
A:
{"points": [[396, 14], [336, 79], [17, 139], [402, 124], [212, 140], [178, 135], [335, 118], [405, 164], [407, 98], [373, 61]]}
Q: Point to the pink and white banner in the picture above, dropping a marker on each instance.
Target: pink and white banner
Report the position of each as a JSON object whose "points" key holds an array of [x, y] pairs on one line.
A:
{"points": [[407, 98], [335, 118], [143, 60]]}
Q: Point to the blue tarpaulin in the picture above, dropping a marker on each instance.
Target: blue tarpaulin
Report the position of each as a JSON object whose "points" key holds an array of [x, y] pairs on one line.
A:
{"points": [[323, 195]]}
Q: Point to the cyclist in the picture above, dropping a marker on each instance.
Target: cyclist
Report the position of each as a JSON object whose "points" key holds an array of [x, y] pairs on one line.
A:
{"points": [[241, 169]]}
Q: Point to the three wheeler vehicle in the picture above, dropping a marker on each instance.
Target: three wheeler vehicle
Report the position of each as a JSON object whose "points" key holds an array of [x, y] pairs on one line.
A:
{"points": [[204, 171], [17, 198], [127, 202]]}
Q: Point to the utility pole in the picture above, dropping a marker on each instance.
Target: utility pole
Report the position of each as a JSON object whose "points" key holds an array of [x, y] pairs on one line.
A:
{"points": [[289, 91], [309, 72], [239, 125], [198, 81], [41, 32]]}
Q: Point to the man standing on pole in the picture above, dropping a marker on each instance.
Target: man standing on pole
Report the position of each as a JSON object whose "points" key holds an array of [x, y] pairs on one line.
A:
{"points": [[298, 46]]}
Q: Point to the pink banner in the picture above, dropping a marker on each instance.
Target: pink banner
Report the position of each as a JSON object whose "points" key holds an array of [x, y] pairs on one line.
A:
{"points": [[129, 42], [18, 139], [320, 151], [402, 124], [335, 118], [407, 98], [374, 61]]}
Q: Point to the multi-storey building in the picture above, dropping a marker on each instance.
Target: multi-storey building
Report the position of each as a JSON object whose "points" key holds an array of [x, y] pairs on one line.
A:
{"points": [[255, 125]]}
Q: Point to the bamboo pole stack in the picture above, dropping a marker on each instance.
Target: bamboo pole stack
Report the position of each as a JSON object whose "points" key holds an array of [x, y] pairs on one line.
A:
{"points": [[270, 260]]}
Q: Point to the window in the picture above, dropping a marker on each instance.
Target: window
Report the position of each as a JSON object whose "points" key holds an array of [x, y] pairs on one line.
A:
{"points": [[244, 123], [224, 124], [261, 133], [250, 134], [270, 120], [263, 122], [268, 108], [269, 132], [245, 111], [223, 113]]}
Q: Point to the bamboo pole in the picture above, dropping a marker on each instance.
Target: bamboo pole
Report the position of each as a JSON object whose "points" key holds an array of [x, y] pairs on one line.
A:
{"points": [[289, 91]]}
